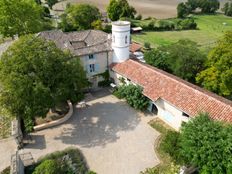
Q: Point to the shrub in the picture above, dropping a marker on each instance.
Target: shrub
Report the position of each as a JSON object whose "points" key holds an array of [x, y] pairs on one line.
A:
{"points": [[67, 161], [147, 45], [165, 25], [47, 167], [187, 24], [139, 17], [170, 145], [107, 28], [151, 25], [133, 95]]}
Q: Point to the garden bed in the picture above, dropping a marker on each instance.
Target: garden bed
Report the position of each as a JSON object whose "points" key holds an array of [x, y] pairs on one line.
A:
{"points": [[69, 161], [54, 114]]}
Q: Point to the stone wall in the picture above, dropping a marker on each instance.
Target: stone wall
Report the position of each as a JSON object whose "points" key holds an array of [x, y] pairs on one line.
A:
{"points": [[56, 122]]}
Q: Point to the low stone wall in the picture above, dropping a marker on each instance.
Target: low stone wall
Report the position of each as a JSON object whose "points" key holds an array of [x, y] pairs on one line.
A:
{"points": [[56, 122]]}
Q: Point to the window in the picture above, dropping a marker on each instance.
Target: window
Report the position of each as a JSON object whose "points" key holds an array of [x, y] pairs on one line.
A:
{"points": [[91, 68], [91, 56], [126, 40]]}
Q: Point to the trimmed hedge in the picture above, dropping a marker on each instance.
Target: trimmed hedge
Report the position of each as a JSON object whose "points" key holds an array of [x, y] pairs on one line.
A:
{"points": [[167, 24]]}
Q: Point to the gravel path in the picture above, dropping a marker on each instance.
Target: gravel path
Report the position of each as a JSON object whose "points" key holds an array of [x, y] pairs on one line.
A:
{"points": [[113, 137]]}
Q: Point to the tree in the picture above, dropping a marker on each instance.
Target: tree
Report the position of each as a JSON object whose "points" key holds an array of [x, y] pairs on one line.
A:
{"points": [[120, 8], [157, 58], [183, 59], [217, 77], [79, 17], [20, 17], [182, 10], [206, 6], [228, 8], [51, 3], [207, 144], [38, 2], [35, 75], [209, 6]]}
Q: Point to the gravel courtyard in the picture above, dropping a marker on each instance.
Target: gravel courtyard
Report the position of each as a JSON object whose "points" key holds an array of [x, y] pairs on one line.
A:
{"points": [[113, 137]]}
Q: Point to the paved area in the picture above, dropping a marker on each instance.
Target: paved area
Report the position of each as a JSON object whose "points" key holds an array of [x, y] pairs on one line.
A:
{"points": [[113, 137], [7, 148]]}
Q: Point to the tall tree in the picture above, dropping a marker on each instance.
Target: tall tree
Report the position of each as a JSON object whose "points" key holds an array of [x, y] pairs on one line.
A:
{"points": [[35, 75], [79, 17], [207, 144], [217, 77], [51, 3], [185, 59], [182, 10], [228, 8], [120, 8], [20, 17]]}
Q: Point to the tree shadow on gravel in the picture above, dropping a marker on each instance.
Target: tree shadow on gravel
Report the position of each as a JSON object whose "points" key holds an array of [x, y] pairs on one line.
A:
{"points": [[99, 124]]}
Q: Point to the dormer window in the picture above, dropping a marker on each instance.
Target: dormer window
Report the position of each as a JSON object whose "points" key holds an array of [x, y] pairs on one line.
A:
{"points": [[91, 56], [126, 40]]}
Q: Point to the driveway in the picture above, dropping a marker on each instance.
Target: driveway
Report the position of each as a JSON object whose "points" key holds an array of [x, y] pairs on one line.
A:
{"points": [[113, 137]]}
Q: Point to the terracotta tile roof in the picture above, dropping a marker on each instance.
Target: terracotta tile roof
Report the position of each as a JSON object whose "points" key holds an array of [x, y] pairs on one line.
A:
{"points": [[135, 47], [187, 97]]}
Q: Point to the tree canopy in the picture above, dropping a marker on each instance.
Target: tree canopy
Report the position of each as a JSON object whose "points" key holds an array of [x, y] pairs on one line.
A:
{"points": [[20, 17], [228, 8], [206, 6], [207, 144], [158, 58], [35, 75], [51, 3], [79, 17], [182, 10], [217, 77], [120, 8], [183, 59]]}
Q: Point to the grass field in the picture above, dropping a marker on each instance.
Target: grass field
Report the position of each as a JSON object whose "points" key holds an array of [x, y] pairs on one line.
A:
{"points": [[210, 29]]}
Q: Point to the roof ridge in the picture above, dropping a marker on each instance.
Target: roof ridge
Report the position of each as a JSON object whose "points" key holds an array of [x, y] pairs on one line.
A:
{"points": [[187, 84], [89, 31]]}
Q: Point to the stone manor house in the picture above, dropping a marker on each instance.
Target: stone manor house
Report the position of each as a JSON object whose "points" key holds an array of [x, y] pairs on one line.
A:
{"points": [[171, 98]]}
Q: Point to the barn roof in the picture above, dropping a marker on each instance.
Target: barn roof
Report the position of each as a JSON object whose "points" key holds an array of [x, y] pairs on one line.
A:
{"points": [[187, 97]]}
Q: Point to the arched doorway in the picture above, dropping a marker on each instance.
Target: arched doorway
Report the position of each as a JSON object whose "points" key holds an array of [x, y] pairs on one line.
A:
{"points": [[154, 109]]}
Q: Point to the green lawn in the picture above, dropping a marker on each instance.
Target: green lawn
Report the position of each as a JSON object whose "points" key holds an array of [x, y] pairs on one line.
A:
{"points": [[210, 28]]}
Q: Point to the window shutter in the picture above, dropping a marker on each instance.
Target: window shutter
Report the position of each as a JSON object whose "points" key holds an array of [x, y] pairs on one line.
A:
{"points": [[97, 67], [87, 69]]}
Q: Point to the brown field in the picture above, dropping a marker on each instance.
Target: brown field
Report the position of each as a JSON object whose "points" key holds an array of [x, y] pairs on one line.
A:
{"points": [[155, 8]]}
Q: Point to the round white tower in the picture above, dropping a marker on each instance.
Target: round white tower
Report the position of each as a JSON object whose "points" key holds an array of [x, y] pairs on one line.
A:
{"points": [[120, 41]]}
